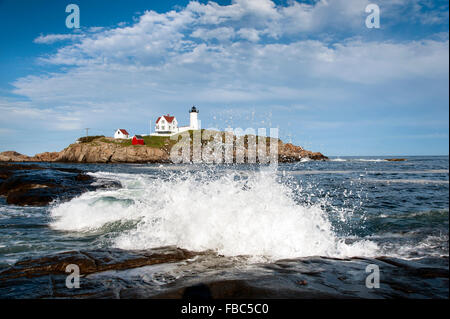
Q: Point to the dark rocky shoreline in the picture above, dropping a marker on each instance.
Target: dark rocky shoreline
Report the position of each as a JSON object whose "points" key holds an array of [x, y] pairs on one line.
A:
{"points": [[34, 185], [115, 273]]}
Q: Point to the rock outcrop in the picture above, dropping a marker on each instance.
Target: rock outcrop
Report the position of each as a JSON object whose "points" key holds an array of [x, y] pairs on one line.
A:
{"points": [[291, 153], [11, 156], [104, 152], [33, 185], [94, 261], [171, 272], [46, 157], [109, 150]]}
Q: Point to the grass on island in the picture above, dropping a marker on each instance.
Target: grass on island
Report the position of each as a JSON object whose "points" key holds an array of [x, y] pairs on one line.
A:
{"points": [[150, 141], [161, 142], [89, 139]]}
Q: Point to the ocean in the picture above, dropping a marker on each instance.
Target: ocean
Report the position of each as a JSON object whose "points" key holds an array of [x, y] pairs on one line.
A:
{"points": [[345, 207]]}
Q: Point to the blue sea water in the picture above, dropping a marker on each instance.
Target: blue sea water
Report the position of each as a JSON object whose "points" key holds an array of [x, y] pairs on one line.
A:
{"points": [[349, 206]]}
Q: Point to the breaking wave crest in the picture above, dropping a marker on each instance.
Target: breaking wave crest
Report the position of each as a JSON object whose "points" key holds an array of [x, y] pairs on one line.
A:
{"points": [[236, 213]]}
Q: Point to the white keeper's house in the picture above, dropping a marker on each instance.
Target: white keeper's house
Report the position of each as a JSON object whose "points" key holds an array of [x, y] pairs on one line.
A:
{"points": [[121, 133], [167, 125]]}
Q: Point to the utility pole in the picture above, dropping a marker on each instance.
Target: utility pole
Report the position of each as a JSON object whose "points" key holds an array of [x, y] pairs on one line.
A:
{"points": [[87, 131]]}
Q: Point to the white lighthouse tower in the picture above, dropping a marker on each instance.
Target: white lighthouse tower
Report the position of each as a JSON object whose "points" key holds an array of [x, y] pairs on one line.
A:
{"points": [[193, 118]]}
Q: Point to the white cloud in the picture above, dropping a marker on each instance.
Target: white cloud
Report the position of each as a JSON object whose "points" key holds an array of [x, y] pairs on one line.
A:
{"points": [[156, 38], [221, 34], [19, 112], [212, 54], [51, 38], [241, 72], [249, 34], [262, 8]]}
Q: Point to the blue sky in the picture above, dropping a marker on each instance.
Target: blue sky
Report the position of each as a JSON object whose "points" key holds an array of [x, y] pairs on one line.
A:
{"points": [[310, 68]]}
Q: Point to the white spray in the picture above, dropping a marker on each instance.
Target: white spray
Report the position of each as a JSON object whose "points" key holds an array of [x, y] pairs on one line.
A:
{"points": [[234, 214]]}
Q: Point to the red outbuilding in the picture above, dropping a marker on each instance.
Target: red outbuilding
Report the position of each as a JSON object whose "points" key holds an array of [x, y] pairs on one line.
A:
{"points": [[137, 140]]}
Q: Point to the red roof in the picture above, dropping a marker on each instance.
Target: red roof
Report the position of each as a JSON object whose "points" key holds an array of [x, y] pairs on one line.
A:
{"points": [[167, 117], [124, 131]]}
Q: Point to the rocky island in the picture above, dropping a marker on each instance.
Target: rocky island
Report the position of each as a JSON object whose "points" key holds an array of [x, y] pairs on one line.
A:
{"points": [[101, 149]]}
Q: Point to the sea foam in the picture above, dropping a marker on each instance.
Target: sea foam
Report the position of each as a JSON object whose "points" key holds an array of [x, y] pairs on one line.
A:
{"points": [[236, 213]]}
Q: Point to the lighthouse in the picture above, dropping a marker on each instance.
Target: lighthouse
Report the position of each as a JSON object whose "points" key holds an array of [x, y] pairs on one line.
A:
{"points": [[167, 125], [193, 118]]}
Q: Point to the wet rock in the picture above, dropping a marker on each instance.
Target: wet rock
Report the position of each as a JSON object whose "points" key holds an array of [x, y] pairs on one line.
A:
{"points": [[6, 169], [30, 197], [22, 184], [200, 291], [416, 269], [93, 261], [83, 177], [33, 185], [45, 277], [170, 272]]}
